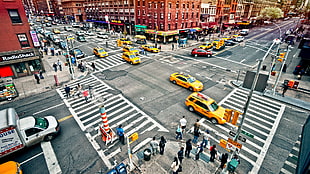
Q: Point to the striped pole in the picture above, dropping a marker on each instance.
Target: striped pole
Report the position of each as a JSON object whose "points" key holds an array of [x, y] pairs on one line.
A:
{"points": [[104, 119]]}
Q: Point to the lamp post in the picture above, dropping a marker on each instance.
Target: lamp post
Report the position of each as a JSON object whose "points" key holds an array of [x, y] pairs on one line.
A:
{"points": [[69, 58]]}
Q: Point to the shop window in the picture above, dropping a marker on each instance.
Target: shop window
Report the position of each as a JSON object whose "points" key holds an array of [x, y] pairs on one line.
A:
{"points": [[14, 15], [22, 38], [34, 65], [20, 68]]}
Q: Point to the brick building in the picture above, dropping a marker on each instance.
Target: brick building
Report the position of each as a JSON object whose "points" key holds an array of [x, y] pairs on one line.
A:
{"points": [[73, 10], [18, 55]]}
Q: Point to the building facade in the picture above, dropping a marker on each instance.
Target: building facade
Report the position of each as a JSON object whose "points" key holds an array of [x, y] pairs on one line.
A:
{"points": [[18, 55], [73, 10]]}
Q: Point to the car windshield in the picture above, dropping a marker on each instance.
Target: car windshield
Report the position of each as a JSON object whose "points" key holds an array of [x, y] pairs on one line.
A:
{"points": [[41, 123], [191, 79], [132, 49], [132, 56], [213, 106], [101, 50], [77, 52], [151, 46]]}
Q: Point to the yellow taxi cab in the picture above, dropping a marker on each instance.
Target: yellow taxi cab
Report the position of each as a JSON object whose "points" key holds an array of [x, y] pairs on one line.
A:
{"points": [[234, 36], [206, 45], [226, 38], [131, 49], [56, 31], [100, 52], [187, 81], [10, 167], [124, 41], [131, 58], [206, 106], [215, 42], [150, 48]]}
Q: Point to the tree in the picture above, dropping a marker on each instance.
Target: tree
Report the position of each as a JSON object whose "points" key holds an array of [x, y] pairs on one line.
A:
{"points": [[271, 13]]}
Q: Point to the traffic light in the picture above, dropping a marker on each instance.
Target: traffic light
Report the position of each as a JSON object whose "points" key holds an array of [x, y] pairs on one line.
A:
{"points": [[281, 57], [235, 117], [133, 137], [228, 114]]}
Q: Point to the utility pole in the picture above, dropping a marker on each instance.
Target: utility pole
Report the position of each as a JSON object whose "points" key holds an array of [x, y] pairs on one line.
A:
{"points": [[69, 59]]}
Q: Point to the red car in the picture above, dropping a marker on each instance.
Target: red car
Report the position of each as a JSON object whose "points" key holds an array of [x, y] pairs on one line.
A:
{"points": [[200, 52]]}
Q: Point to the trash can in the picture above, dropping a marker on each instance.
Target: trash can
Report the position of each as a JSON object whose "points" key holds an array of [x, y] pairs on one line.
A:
{"points": [[147, 154]]}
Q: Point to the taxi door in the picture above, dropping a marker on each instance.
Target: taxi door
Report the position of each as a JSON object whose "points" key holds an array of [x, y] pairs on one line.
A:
{"points": [[202, 108], [182, 81]]}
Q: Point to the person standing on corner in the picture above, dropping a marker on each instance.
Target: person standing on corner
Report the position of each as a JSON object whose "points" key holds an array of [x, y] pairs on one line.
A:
{"points": [[175, 165], [154, 145], [55, 67], [188, 148], [162, 145], [121, 134], [36, 76], [59, 65], [183, 124], [224, 159], [199, 150], [196, 135], [181, 154], [178, 133], [172, 47], [67, 90], [285, 87], [93, 66], [213, 152]]}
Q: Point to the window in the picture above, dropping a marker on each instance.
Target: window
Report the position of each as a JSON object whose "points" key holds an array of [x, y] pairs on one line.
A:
{"points": [[192, 15], [138, 12], [168, 26], [197, 15], [161, 15], [14, 15], [143, 3], [150, 5], [162, 5], [138, 3], [183, 5], [155, 15], [182, 78], [155, 5], [176, 25], [182, 15], [187, 5], [177, 5], [177, 15], [20, 68], [169, 5], [32, 131], [193, 6], [34, 65], [22, 38], [169, 15]]}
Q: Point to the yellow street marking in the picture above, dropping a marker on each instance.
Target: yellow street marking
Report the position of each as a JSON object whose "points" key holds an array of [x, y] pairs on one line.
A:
{"points": [[65, 118]]}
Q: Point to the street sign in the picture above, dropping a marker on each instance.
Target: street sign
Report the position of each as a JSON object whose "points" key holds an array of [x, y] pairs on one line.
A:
{"points": [[247, 134], [233, 134], [231, 141]]}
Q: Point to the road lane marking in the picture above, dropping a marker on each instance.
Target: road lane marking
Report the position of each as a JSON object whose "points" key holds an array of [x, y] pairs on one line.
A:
{"points": [[233, 61], [50, 158], [242, 60], [31, 158], [47, 109], [65, 118]]}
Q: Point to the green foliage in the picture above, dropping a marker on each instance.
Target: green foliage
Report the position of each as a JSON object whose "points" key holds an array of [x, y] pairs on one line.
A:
{"points": [[271, 13]]}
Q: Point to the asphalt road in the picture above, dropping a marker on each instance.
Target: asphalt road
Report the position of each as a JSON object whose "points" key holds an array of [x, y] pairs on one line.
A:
{"points": [[142, 99]]}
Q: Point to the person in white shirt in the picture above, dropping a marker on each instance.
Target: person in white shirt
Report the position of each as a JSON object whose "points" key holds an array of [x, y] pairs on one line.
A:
{"points": [[183, 124]]}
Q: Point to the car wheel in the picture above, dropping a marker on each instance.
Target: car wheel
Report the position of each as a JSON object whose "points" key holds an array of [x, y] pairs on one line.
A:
{"points": [[174, 82], [9, 99], [191, 89], [208, 55], [213, 120], [191, 109], [131, 63], [49, 137]]}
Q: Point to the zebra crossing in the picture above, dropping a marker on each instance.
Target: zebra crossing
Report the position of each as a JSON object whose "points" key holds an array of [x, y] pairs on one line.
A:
{"points": [[262, 120], [290, 164], [119, 111], [107, 62]]}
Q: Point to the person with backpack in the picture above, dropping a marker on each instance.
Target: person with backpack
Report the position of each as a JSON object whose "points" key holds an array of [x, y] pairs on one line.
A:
{"points": [[121, 134], [196, 135], [175, 165], [162, 144]]}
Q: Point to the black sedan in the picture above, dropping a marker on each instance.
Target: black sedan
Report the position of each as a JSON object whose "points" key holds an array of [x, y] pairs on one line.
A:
{"points": [[81, 39], [229, 43]]}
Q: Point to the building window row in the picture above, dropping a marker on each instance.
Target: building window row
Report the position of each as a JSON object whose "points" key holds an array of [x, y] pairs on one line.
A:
{"points": [[14, 15]]}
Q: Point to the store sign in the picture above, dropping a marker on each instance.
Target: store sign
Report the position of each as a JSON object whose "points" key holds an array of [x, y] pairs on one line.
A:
{"points": [[115, 21], [16, 56], [34, 38]]}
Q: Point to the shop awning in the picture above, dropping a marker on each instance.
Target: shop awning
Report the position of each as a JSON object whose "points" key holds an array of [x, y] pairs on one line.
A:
{"points": [[162, 33], [197, 29], [192, 30], [140, 26]]}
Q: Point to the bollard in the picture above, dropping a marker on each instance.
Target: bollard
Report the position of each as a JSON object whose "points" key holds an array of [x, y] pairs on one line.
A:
{"points": [[56, 80]]}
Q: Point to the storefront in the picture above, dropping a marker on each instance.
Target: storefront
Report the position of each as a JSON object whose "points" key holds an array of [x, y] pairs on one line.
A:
{"points": [[99, 23], [140, 29], [162, 36], [20, 63]]}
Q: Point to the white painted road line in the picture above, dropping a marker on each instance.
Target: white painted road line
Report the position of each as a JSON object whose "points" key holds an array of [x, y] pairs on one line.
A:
{"points": [[47, 109], [31, 158], [50, 158]]}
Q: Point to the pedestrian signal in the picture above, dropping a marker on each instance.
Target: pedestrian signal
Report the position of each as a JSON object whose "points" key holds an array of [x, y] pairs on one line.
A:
{"points": [[228, 114], [282, 55], [235, 117]]}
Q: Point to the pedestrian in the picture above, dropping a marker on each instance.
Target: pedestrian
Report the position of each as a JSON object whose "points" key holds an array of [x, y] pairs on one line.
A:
{"points": [[285, 87], [179, 133], [183, 124], [41, 74], [196, 135], [236, 158], [224, 159], [85, 94], [36, 76], [188, 148], [159, 47], [52, 51], [199, 150], [181, 154], [213, 152], [205, 140], [45, 50], [197, 124], [106, 44], [121, 134], [175, 165], [172, 47], [78, 89], [59, 63], [162, 144], [93, 66], [154, 145], [67, 90], [55, 67]]}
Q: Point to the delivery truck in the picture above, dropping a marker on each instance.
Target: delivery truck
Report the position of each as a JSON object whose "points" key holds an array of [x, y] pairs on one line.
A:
{"points": [[17, 133]]}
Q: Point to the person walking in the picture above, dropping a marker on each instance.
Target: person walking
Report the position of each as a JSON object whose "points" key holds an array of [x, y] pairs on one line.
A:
{"points": [[183, 124], [55, 67], [197, 124], [36, 76], [175, 165], [41, 74], [172, 47], [196, 135], [162, 144], [78, 90], [85, 94], [121, 134], [59, 63], [199, 150], [45, 50], [213, 152], [205, 140], [188, 148], [224, 159], [181, 154], [285, 87], [67, 90], [179, 133], [159, 47], [52, 51], [154, 145], [93, 66]]}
